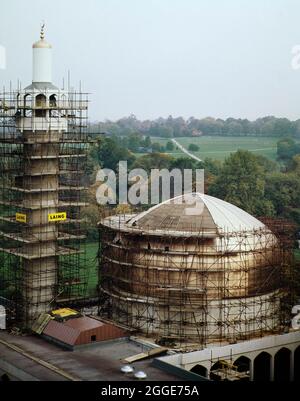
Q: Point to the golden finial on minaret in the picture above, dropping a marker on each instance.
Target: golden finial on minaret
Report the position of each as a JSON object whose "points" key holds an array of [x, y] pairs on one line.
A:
{"points": [[42, 34]]}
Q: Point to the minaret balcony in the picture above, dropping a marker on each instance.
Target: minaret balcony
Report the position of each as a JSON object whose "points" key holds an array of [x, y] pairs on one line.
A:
{"points": [[42, 124]]}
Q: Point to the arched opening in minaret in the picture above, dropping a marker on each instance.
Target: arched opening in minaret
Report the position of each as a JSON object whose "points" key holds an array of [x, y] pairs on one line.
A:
{"points": [[52, 103], [63, 100], [40, 104], [27, 105], [19, 105]]}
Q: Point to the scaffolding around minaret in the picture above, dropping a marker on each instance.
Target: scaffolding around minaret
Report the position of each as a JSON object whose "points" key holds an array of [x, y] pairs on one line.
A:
{"points": [[43, 146]]}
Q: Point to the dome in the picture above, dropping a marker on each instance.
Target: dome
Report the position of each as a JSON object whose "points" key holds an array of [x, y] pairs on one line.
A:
{"points": [[193, 269], [41, 44], [195, 212]]}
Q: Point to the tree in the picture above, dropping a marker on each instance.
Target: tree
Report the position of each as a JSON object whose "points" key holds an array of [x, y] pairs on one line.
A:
{"points": [[153, 160], [169, 146], [287, 148], [193, 147], [134, 142], [294, 165], [156, 147], [108, 152], [283, 190], [283, 127], [242, 182], [183, 163], [147, 142]]}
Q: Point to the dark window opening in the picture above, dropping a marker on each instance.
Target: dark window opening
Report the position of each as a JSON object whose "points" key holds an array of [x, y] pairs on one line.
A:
{"points": [[262, 367], [93, 338], [52, 103], [282, 365], [167, 248], [27, 105], [297, 364], [199, 370], [40, 103]]}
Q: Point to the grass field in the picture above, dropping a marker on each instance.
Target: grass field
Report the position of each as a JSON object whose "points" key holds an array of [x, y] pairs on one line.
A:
{"points": [[220, 147], [92, 266]]}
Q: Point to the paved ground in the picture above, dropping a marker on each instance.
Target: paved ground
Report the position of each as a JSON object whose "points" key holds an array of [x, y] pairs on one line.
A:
{"points": [[99, 362]]}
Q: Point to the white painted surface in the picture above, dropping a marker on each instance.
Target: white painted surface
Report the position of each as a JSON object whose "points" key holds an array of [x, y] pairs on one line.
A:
{"points": [[42, 65], [208, 356]]}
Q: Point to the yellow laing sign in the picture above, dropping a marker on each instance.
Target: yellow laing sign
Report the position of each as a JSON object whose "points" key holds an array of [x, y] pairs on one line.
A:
{"points": [[57, 216], [22, 218]]}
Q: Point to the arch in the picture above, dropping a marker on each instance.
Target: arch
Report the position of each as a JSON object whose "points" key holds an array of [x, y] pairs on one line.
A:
{"points": [[5, 377], [63, 100], [282, 365], [221, 370], [27, 105], [262, 367], [297, 364], [52, 104], [40, 102], [53, 100], [242, 365], [199, 370]]}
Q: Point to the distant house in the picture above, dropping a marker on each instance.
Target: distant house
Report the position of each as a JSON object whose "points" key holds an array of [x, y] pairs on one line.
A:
{"points": [[196, 132]]}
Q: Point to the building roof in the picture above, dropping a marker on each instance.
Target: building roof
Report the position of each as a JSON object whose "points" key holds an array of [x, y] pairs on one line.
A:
{"points": [[41, 86], [77, 330], [61, 332], [83, 323], [195, 212], [68, 332]]}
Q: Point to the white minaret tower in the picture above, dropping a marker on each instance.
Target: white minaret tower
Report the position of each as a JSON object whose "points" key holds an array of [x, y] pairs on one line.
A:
{"points": [[44, 196], [42, 60], [42, 95]]}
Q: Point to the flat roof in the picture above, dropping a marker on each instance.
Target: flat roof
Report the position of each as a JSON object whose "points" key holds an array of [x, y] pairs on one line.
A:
{"points": [[101, 362]]}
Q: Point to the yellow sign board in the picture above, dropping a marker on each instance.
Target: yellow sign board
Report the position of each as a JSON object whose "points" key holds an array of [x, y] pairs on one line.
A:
{"points": [[22, 218], [57, 216]]}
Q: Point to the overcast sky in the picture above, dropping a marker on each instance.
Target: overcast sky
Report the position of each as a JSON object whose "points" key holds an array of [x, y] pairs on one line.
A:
{"points": [[220, 58]]}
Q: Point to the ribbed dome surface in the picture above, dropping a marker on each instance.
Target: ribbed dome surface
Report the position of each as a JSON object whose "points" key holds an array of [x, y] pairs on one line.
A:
{"points": [[196, 212]]}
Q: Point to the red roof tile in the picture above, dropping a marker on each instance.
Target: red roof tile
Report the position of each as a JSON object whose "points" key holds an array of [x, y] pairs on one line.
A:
{"points": [[83, 323], [61, 332]]}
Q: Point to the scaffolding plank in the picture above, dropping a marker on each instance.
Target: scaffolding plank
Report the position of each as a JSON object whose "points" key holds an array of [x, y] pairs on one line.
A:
{"points": [[143, 355]]}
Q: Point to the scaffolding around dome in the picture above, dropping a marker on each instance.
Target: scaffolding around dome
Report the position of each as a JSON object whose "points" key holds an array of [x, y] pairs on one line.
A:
{"points": [[195, 285]]}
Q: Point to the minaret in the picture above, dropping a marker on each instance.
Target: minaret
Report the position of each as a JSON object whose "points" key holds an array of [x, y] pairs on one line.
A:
{"points": [[42, 60], [45, 195], [40, 181]]}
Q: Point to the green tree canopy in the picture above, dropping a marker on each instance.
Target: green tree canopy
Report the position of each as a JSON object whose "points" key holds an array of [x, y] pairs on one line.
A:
{"points": [[108, 152], [242, 182], [169, 146], [193, 147]]}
